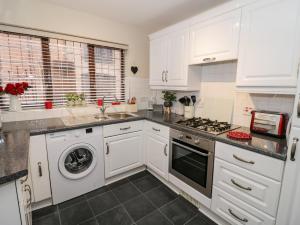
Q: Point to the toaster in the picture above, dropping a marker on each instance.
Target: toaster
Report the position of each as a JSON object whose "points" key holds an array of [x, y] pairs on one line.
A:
{"points": [[269, 123]]}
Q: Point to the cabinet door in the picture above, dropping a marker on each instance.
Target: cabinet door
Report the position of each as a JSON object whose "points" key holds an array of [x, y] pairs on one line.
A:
{"points": [[123, 153], [39, 168], [215, 39], [289, 203], [177, 59], [269, 44], [158, 57], [157, 154]]}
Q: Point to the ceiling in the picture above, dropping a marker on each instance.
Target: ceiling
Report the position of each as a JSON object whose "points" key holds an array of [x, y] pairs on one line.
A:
{"points": [[149, 15]]}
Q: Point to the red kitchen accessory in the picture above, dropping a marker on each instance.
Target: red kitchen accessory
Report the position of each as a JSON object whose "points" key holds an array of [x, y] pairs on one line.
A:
{"points": [[116, 103], [100, 102], [239, 135], [269, 123], [48, 105]]}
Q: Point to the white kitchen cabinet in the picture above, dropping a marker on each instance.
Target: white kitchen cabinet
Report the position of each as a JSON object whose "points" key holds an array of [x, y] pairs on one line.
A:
{"points": [[39, 171], [157, 154], [215, 39], [269, 47], [169, 61], [158, 61], [123, 153]]}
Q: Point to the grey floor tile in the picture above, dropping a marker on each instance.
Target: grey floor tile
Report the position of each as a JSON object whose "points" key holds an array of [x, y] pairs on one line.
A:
{"points": [[161, 196], [91, 221], [118, 183], [201, 219], [76, 214], [96, 192], [126, 192], [103, 202], [44, 212], [139, 207], [115, 216], [138, 175], [155, 218], [71, 202], [50, 219], [179, 211], [146, 183]]}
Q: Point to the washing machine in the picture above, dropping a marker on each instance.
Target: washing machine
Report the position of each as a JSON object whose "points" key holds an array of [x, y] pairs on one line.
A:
{"points": [[76, 162]]}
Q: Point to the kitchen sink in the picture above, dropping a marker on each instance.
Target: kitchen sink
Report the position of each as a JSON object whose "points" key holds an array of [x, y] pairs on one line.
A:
{"points": [[120, 115], [101, 118]]}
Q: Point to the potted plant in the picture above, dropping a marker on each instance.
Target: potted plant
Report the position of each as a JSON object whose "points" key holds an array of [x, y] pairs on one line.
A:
{"points": [[14, 90], [169, 97]]}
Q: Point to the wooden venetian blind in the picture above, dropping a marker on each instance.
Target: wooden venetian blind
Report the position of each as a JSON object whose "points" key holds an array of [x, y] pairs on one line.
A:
{"points": [[55, 67]]}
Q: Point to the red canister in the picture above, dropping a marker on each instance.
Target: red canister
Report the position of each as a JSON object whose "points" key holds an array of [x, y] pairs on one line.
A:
{"points": [[48, 105]]}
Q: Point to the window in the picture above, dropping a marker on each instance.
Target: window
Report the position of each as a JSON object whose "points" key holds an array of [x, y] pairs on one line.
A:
{"points": [[55, 67]]}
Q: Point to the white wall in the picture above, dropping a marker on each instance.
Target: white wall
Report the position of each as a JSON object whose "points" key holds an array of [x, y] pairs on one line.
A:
{"points": [[220, 100], [50, 17]]}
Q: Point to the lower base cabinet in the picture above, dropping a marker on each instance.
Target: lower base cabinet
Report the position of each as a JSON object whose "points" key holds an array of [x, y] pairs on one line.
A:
{"points": [[157, 154], [123, 153]]}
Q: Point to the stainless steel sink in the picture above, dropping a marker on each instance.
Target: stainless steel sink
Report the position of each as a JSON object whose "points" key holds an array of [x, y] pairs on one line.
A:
{"points": [[101, 118], [120, 115]]}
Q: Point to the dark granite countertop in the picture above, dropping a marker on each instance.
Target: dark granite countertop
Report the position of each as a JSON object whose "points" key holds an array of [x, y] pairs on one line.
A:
{"points": [[269, 146], [14, 153]]}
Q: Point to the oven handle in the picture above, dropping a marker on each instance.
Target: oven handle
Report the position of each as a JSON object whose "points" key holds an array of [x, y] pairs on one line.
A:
{"points": [[190, 149]]}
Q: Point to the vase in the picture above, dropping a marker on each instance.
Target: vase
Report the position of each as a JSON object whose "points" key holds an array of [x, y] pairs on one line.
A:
{"points": [[14, 103]]}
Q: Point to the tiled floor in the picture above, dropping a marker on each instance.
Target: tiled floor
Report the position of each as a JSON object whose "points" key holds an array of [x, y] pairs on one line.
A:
{"points": [[138, 200]]}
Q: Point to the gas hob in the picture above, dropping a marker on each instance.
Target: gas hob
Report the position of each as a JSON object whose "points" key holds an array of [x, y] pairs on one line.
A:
{"points": [[206, 125]]}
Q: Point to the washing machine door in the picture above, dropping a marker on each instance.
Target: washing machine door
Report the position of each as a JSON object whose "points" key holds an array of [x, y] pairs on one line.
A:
{"points": [[78, 161]]}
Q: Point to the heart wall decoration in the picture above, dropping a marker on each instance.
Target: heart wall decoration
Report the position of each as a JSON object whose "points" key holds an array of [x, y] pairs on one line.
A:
{"points": [[134, 69]]}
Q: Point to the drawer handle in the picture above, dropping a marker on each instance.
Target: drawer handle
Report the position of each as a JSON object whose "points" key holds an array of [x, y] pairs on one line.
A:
{"points": [[165, 150], [155, 129], [125, 128], [237, 217], [240, 186], [206, 59], [40, 169], [243, 160], [107, 148], [293, 149]]}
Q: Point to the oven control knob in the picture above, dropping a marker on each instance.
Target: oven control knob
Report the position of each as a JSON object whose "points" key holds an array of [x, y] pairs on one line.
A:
{"points": [[197, 141], [180, 136]]}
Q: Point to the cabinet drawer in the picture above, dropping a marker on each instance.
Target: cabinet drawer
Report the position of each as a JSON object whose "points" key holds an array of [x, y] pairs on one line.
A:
{"points": [[256, 190], [122, 128], [252, 161], [157, 129], [237, 212]]}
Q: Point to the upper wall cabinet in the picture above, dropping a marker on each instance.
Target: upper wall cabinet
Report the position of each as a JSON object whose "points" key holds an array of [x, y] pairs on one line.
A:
{"points": [[215, 39], [269, 47], [169, 61]]}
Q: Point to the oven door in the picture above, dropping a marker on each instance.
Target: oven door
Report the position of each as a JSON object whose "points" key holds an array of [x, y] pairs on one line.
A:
{"points": [[192, 165]]}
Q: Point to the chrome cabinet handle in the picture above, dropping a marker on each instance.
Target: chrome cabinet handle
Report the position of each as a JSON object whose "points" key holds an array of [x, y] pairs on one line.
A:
{"points": [[27, 188], [165, 150], [243, 160], [162, 76], [209, 59], [125, 128], [155, 129], [294, 148], [240, 186], [166, 76], [237, 217], [40, 169], [107, 148]]}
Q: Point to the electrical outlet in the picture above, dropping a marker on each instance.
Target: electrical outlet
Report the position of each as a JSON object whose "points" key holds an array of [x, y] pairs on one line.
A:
{"points": [[247, 110]]}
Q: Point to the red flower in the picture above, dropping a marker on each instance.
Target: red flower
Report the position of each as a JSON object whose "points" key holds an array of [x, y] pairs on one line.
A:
{"points": [[25, 85], [16, 89]]}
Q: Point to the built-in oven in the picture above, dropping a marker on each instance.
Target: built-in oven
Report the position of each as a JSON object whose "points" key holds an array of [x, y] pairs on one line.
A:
{"points": [[192, 160]]}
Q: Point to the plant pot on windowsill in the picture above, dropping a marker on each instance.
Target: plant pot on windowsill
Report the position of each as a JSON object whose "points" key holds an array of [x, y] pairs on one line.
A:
{"points": [[14, 103]]}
